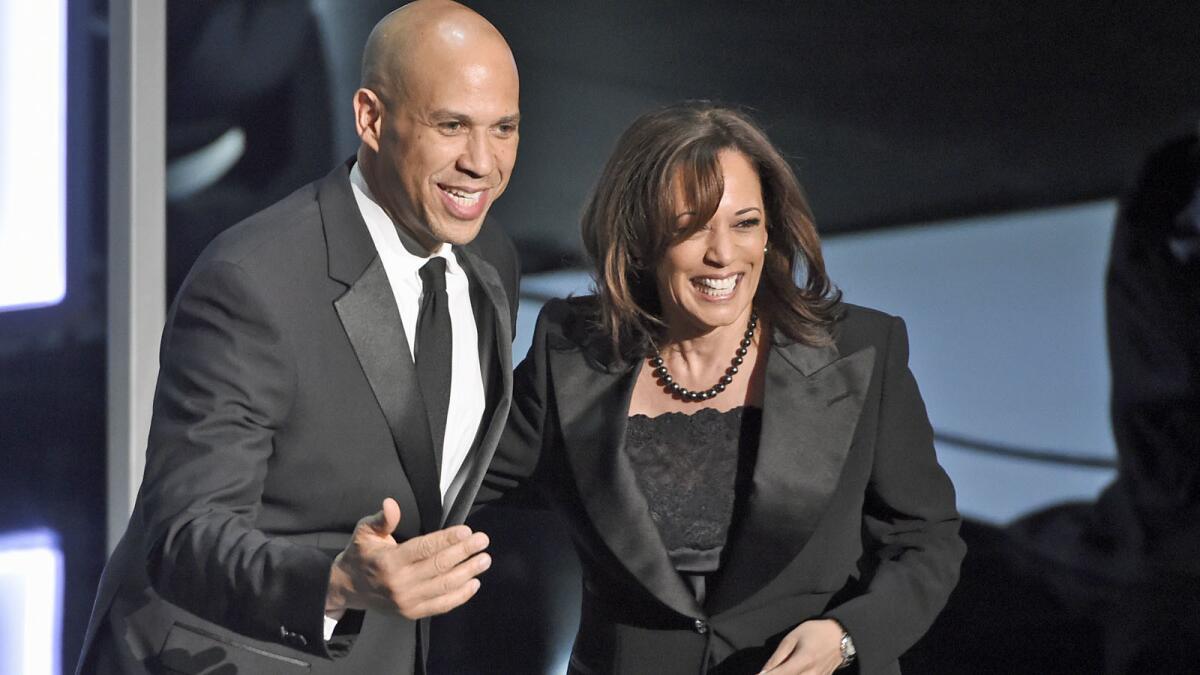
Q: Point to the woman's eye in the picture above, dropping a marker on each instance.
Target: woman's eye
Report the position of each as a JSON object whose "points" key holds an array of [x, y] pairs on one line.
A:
{"points": [[749, 222]]}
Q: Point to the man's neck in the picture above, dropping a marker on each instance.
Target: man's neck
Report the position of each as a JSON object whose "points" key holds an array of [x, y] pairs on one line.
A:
{"points": [[407, 239]]}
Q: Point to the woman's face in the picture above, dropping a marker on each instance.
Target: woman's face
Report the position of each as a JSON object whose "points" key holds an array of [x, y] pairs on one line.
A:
{"points": [[708, 280]]}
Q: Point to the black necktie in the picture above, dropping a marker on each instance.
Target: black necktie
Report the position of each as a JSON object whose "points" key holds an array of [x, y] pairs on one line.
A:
{"points": [[434, 349]]}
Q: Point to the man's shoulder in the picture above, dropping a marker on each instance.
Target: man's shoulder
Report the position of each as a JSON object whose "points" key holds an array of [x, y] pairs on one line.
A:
{"points": [[278, 229]]}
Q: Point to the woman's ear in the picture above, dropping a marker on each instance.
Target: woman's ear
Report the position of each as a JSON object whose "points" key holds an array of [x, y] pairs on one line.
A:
{"points": [[368, 117]]}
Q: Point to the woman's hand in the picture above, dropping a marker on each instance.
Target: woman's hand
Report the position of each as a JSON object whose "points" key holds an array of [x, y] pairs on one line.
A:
{"points": [[812, 647]]}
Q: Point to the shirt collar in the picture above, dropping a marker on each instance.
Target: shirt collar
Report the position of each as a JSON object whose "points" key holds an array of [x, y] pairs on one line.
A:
{"points": [[398, 243]]}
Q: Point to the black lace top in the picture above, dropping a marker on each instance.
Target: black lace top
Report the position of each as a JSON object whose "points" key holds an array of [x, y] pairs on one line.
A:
{"points": [[694, 471]]}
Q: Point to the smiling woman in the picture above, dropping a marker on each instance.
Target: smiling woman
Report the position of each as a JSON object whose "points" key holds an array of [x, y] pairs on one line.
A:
{"points": [[710, 273], [790, 518], [687, 174]]}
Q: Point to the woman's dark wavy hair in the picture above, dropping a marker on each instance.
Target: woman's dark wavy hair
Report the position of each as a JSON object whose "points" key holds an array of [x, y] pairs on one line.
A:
{"points": [[629, 223]]}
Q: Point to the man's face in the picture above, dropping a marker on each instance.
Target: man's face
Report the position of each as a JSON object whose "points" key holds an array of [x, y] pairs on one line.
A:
{"points": [[448, 145]]}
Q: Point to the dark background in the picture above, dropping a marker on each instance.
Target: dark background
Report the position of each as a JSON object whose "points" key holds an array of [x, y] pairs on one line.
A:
{"points": [[892, 114]]}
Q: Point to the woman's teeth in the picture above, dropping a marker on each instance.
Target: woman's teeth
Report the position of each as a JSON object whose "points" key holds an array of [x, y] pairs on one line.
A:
{"points": [[716, 287]]}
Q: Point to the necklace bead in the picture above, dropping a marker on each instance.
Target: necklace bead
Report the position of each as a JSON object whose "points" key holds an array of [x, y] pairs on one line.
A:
{"points": [[664, 376]]}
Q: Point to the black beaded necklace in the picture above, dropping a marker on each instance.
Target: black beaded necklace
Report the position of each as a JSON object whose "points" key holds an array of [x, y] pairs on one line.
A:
{"points": [[664, 377]]}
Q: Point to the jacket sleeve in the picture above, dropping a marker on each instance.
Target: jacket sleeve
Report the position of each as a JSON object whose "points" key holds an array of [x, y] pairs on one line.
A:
{"points": [[225, 385], [910, 521], [520, 448]]}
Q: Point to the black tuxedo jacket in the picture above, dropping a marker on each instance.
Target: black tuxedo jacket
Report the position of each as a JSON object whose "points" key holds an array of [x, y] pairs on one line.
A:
{"points": [[286, 409], [850, 516]]}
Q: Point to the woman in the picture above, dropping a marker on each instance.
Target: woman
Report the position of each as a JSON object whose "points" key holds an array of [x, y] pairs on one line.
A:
{"points": [[746, 464]]}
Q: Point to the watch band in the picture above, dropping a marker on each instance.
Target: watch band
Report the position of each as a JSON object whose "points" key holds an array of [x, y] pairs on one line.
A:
{"points": [[848, 650]]}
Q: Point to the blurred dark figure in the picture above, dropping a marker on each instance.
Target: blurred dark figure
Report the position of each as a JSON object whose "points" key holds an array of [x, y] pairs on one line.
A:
{"points": [[1131, 561], [1109, 586], [1152, 512], [245, 82]]}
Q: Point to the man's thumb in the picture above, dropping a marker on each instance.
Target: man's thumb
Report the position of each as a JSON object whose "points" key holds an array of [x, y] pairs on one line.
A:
{"points": [[383, 522]]}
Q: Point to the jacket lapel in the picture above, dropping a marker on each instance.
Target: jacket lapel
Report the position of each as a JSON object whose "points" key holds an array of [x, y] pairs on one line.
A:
{"points": [[495, 333], [593, 406], [371, 320], [812, 402]]}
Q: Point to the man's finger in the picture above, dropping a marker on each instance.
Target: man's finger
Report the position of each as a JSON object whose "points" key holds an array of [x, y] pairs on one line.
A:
{"points": [[448, 558], [446, 602], [383, 522], [429, 545], [447, 583]]}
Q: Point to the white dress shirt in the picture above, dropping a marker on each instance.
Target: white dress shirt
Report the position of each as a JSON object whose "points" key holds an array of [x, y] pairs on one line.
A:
{"points": [[402, 266], [466, 380]]}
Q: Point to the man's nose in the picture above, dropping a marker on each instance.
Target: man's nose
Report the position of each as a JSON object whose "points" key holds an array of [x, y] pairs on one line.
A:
{"points": [[478, 157]]}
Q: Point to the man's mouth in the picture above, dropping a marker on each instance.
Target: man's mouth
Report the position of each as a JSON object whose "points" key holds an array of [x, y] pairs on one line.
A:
{"points": [[717, 287], [465, 203]]}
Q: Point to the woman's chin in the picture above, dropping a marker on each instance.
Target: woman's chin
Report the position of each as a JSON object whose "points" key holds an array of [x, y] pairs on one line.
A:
{"points": [[714, 317]]}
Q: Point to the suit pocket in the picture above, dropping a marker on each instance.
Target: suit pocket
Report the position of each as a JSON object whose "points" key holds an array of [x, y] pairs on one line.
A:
{"points": [[192, 651]]}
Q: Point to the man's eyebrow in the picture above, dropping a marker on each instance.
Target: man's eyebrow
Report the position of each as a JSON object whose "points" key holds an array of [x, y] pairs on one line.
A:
{"points": [[445, 114]]}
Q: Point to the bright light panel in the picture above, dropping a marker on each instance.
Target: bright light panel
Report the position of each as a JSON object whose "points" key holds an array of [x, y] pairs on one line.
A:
{"points": [[33, 85], [31, 573]]}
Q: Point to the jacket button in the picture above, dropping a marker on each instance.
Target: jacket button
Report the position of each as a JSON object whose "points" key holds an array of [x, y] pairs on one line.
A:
{"points": [[700, 626], [291, 638]]}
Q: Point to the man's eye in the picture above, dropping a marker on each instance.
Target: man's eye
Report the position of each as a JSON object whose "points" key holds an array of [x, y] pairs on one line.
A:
{"points": [[506, 129], [451, 127]]}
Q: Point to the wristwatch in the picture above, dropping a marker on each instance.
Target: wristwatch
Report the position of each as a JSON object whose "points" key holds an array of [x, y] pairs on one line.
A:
{"points": [[848, 650]]}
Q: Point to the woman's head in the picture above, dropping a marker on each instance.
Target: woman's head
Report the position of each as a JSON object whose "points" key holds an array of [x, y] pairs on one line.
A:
{"points": [[678, 223]]}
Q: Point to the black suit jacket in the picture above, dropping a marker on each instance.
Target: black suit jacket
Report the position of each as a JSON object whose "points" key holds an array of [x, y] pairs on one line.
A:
{"points": [[850, 515], [286, 409]]}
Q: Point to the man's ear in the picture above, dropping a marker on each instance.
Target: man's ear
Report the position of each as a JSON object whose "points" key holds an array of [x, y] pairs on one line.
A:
{"points": [[368, 117]]}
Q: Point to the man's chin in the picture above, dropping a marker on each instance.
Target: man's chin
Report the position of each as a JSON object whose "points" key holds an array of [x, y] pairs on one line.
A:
{"points": [[458, 234]]}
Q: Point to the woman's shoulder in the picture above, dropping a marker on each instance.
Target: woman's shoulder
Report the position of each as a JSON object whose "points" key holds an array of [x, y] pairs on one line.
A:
{"points": [[858, 327], [572, 318], [574, 324]]}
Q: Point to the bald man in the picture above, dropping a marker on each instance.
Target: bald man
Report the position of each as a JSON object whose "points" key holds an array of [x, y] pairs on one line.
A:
{"points": [[335, 373]]}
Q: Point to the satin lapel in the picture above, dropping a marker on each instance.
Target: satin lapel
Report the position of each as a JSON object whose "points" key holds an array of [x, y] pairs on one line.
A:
{"points": [[593, 406], [495, 349], [812, 403], [372, 322]]}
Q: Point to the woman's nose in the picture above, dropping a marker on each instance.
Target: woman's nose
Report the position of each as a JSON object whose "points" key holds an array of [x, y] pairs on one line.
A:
{"points": [[720, 247]]}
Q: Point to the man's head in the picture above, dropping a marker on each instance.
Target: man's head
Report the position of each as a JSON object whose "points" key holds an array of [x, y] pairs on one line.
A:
{"points": [[438, 116]]}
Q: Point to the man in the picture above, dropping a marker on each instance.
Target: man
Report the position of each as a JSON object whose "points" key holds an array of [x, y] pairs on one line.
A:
{"points": [[346, 348]]}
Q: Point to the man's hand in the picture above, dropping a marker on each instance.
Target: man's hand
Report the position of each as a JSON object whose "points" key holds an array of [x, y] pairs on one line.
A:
{"points": [[426, 575], [812, 647]]}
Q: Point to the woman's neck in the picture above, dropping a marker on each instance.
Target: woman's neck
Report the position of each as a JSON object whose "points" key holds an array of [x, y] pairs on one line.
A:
{"points": [[700, 354], [697, 362]]}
